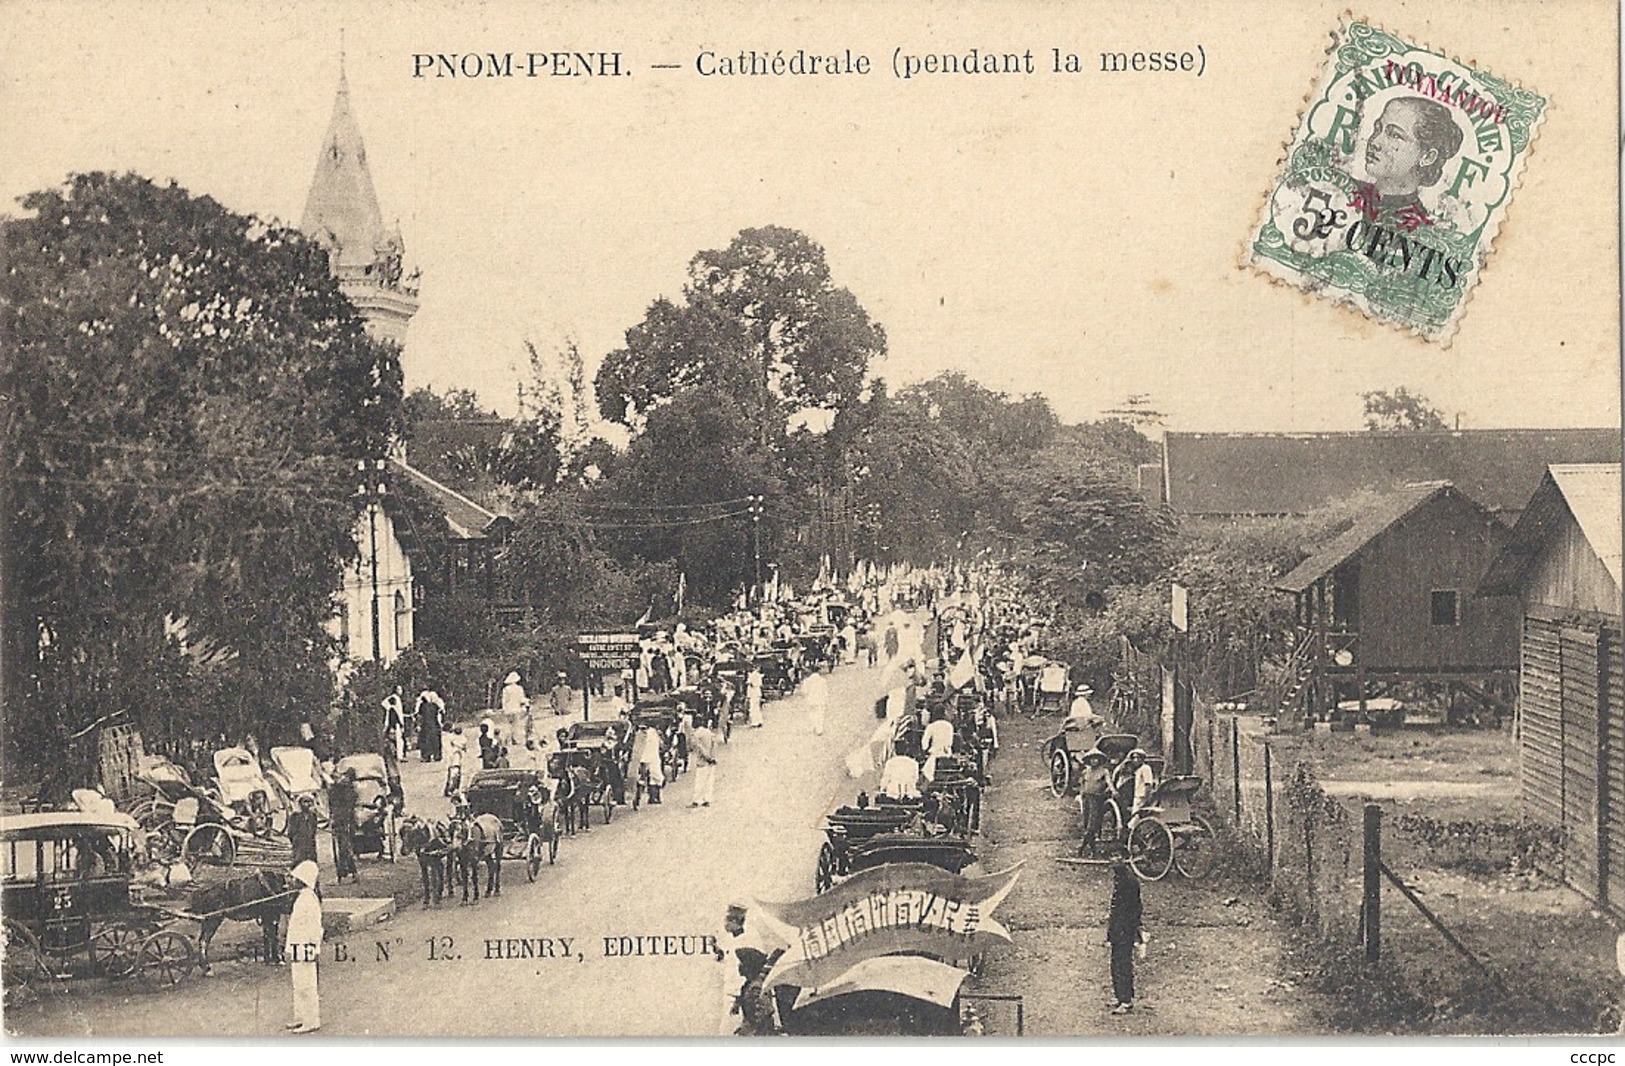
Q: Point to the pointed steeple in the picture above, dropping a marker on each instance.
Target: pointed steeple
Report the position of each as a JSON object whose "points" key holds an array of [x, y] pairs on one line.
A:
{"points": [[341, 211], [342, 215]]}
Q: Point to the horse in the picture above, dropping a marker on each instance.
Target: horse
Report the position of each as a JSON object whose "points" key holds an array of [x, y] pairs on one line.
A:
{"points": [[264, 897], [431, 842], [476, 839]]}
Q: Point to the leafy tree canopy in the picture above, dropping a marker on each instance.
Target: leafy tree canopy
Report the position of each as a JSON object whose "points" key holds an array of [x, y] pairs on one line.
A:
{"points": [[1400, 411], [186, 393], [762, 323]]}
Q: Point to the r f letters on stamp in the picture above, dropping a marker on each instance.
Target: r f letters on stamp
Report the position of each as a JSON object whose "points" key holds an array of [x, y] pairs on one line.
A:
{"points": [[1396, 180]]}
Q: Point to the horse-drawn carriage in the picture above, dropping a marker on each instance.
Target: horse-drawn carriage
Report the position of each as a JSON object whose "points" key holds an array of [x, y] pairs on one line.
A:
{"points": [[781, 668], [377, 807], [861, 837], [531, 819], [73, 906], [955, 790], [589, 773], [733, 674], [818, 649]]}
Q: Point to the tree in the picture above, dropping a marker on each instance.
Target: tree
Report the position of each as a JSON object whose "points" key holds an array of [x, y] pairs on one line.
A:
{"points": [[1137, 410], [187, 394], [708, 385], [1400, 411], [761, 323]]}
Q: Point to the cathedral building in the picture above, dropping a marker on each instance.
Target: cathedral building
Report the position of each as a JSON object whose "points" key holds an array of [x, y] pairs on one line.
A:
{"points": [[375, 604]]}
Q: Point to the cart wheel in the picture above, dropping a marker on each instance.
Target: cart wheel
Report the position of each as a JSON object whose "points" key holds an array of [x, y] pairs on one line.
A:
{"points": [[165, 958], [389, 827], [210, 844], [1150, 849], [114, 950], [533, 857], [1060, 773], [637, 793], [24, 961], [1195, 848], [824, 876]]}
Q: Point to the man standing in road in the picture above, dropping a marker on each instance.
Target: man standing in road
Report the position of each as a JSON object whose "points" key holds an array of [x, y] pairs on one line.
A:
{"points": [[815, 690], [702, 747], [341, 804], [431, 715], [753, 695], [303, 949], [302, 830], [937, 742], [1094, 784], [560, 696], [1123, 934]]}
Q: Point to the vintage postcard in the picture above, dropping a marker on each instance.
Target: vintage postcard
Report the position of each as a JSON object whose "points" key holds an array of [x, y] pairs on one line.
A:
{"points": [[730, 520]]}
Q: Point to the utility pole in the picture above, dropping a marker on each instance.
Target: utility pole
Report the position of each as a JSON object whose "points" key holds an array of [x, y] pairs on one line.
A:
{"points": [[372, 490], [756, 544]]}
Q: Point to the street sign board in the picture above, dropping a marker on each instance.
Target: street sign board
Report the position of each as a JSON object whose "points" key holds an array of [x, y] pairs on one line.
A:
{"points": [[608, 651]]}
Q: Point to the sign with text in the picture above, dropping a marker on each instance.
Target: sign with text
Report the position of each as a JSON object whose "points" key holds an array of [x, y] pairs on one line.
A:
{"points": [[608, 651], [891, 909]]}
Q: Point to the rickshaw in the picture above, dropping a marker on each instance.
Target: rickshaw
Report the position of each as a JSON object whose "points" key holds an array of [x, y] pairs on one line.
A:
{"points": [[889, 995], [1167, 834], [377, 808], [199, 827], [530, 817], [1050, 690], [1063, 753], [297, 773], [245, 789], [779, 674], [734, 674], [168, 783], [664, 716], [72, 906]]}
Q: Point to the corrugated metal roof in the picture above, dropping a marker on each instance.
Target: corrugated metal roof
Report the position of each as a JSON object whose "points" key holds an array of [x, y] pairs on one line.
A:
{"points": [[1294, 473], [467, 519], [1588, 491], [1368, 527], [1592, 492]]}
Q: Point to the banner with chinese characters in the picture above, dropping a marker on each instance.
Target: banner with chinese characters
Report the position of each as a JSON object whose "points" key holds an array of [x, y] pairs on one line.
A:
{"points": [[891, 909]]}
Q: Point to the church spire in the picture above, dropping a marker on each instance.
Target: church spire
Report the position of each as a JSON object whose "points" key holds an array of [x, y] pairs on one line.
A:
{"points": [[341, 211], [342, 215]]}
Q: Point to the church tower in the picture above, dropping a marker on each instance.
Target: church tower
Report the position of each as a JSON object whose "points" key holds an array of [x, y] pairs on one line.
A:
{"points": [[342, 215]]}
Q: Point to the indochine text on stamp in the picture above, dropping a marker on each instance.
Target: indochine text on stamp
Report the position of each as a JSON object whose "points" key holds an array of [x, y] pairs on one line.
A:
{"points": [[1396, 180]]}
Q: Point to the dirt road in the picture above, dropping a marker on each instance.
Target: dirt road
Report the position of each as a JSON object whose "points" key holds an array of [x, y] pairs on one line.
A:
{"points": [[548, 959]]}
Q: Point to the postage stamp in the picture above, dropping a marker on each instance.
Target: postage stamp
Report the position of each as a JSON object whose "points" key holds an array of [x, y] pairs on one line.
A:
{"points": [[1396, 180]]}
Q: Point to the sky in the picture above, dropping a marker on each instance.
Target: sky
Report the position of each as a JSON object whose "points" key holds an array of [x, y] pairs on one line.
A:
{"points": [[1077, 236]]}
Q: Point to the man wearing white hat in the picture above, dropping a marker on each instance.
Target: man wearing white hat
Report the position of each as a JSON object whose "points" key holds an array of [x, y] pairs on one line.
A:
{"points": [[516, 705], [304, 948]]}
